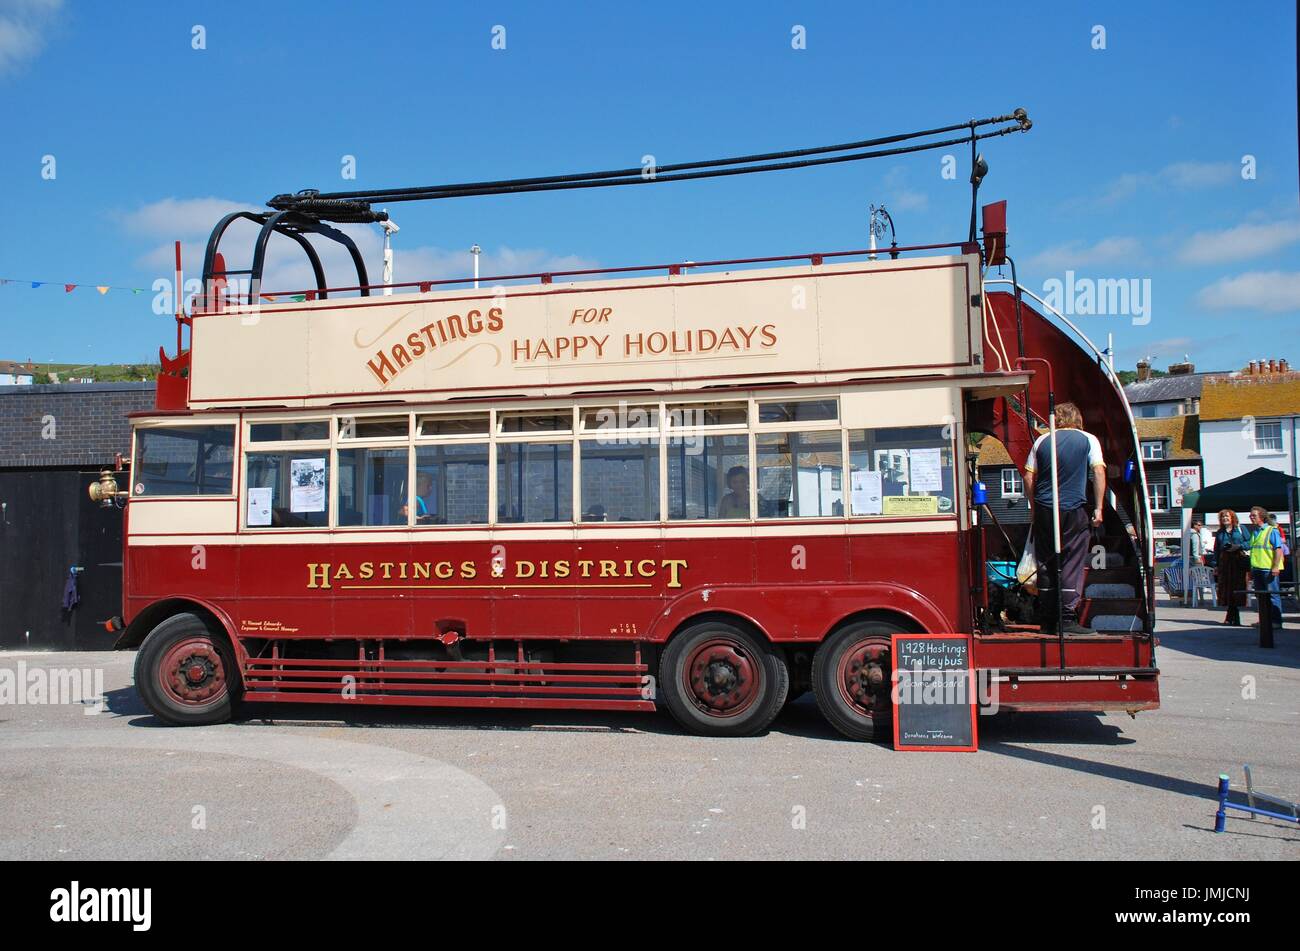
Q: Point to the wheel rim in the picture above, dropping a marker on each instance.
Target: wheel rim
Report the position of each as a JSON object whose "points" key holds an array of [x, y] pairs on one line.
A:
{"points": [[863, 676], [722, 677], [193, 672]]}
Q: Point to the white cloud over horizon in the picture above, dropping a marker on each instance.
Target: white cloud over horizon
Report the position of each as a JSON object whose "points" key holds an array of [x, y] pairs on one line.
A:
{"points": [[1272, 292], [1073, 255], [1242, 242], [24, 29]]}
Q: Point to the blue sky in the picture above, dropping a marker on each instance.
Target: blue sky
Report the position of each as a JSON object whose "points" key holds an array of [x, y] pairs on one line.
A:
{"points": [[1133, 169]]}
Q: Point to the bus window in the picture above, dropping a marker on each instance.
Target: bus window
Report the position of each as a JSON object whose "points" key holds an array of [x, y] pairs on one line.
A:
{"points": [[289, 432], [374, 427], [708, 477], [694, 415], [372, 486], [290, 487], [469, 424], [800, 475], [550, 421], [534, 482], [911, 467], [798, 411], [451, 484], [620, 478], [184, 460]]}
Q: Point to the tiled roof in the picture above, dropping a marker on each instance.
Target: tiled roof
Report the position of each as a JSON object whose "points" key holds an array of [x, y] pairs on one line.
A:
{"points": [[1240, 396], [1166, 389], [993, 453], [1182, 434]]}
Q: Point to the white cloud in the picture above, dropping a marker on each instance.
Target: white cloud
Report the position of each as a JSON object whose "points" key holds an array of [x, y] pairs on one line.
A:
{"points": [[1269, 291], [899, 196], [1239, 243], [24, 25], [287, 268], [181, 217], [1180, 176], [1076, 254]]}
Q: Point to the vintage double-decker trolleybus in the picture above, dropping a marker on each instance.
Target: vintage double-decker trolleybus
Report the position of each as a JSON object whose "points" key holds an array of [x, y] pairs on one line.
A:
{"points": [[705, 488]]}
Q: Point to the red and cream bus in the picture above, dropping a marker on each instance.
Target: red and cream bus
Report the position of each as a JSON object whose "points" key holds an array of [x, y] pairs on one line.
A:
{"points": [[706, 487]]}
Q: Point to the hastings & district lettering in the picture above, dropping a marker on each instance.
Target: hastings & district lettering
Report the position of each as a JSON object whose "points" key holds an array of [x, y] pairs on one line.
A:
{"points": [[325, 575]]}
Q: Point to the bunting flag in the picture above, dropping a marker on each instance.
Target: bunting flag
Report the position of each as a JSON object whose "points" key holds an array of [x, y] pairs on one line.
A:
{"points": [[68, 288]]}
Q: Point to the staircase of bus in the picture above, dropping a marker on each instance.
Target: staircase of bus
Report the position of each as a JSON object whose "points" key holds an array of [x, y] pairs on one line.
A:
{"points": [[1119, 588]]}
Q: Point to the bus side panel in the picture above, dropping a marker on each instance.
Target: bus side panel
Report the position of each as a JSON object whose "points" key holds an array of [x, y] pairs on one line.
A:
{"points": [[286, 589], [930, 563]]}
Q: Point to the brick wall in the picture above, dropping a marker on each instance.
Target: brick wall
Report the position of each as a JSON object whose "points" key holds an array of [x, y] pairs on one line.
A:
{"points": [[68, 424]]}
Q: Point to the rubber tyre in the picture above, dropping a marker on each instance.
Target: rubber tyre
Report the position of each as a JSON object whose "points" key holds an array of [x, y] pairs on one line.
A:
{"points": [[766, 680], [162, 647], [847, 717]]}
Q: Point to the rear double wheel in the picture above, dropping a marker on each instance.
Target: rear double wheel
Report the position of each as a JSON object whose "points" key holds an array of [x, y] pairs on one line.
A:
{"points": [[852, 677], [186, 672], [718, 679]]}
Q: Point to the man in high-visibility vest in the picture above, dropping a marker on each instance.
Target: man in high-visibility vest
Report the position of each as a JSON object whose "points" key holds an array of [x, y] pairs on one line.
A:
{"points": [[1266, 559]]}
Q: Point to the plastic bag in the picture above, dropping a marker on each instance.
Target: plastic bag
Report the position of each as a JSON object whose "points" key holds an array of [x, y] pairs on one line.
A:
{"points": [[1027, 570]]}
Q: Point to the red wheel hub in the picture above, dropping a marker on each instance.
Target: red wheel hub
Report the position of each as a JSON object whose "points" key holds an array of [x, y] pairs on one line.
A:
{"points": [[722, 678], [863, 676], [193, 671]]}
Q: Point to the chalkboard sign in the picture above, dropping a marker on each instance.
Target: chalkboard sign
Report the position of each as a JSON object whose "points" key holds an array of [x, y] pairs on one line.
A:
{"points": [[934, 692]]}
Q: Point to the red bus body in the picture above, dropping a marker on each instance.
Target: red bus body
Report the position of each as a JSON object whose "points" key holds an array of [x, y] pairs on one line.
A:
{"points": [[577, 614]]}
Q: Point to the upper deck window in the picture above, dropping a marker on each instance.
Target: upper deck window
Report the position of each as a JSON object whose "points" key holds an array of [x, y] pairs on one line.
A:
{"points": [[695, 415], [798, 411], [289, 432], [551, 421], [468, 424], [374, 427], [184, 460], [620, 417]]}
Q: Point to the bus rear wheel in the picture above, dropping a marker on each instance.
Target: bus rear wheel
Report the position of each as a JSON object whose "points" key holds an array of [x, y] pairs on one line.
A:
{"points": [[852, 679], [186, 672], [717, 679]]}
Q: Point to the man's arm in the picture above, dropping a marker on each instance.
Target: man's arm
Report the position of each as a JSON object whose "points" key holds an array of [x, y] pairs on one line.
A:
{"points": [[1279, 562], [1099, 493]]}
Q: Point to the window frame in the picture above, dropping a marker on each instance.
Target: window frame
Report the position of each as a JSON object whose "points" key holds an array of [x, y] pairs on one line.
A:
{"points": [[1257, 450], [1016, 477], [137, 470]]}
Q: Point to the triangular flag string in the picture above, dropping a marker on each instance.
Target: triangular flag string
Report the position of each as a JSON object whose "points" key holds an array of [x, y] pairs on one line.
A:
{"points": [[69, 287]]}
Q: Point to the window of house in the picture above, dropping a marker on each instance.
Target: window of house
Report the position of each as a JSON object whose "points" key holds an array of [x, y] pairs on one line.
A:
{"points": [[1158, 496], [1013, 485], [1153, 449], [1268, 436]]}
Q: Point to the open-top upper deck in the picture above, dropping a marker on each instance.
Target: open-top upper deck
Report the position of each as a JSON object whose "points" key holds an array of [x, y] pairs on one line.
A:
{"points": [[818, 319]]}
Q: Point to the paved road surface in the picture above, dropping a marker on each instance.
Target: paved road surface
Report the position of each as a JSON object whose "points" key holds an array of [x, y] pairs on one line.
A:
{"points": [[305, 783]]}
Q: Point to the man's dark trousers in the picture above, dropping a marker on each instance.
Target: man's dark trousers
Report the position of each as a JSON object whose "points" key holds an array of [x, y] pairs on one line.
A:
{"points": [[1076, 533]]}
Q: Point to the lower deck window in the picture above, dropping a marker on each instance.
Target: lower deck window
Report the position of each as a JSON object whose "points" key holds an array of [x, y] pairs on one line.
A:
{"points": [[799, 475], [620, 479], [451, 484], [184, 460], [708, 477], [901, 471], [535, 482], [372, 486], [288, 489]]}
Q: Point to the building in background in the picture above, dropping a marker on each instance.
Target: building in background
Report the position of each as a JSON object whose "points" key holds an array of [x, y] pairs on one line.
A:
{"points": [[13, 373], [1171, 456], [1178, 393], [1249, 421], [1006, 486], [54, 439]]}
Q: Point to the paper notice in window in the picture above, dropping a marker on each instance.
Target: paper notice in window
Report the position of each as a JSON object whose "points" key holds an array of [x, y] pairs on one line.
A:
{"points": [[259, 506], [927, 473], [307, 485], [867, 491], [911, 505]]}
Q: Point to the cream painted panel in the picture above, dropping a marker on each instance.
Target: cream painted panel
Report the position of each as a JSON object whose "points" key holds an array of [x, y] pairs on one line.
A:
{"points": [[192, 516]]}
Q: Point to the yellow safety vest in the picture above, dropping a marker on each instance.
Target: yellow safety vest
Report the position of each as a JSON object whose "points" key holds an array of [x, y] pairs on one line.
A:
{"points": [[1262, 548]]}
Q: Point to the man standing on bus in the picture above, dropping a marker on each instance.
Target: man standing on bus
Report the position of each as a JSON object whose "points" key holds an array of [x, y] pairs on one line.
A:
{"points": [[1267, 556], [1078, 455]]}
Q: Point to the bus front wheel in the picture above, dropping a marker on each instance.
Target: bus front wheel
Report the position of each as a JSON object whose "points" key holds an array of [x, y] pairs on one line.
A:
{"points": [[186, 672], [852, 677], [717, 679]]}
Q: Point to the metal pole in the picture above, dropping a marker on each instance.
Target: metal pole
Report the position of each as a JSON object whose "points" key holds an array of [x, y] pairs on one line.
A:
{"points": [[1221, 817], [476, 251]]}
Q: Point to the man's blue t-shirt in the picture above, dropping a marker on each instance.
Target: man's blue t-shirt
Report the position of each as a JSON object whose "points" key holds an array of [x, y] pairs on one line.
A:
{"points": [[1076, 453]]}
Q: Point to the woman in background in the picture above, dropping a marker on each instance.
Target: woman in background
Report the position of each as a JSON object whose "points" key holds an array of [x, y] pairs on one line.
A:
{"points": [[1231, 558]]}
